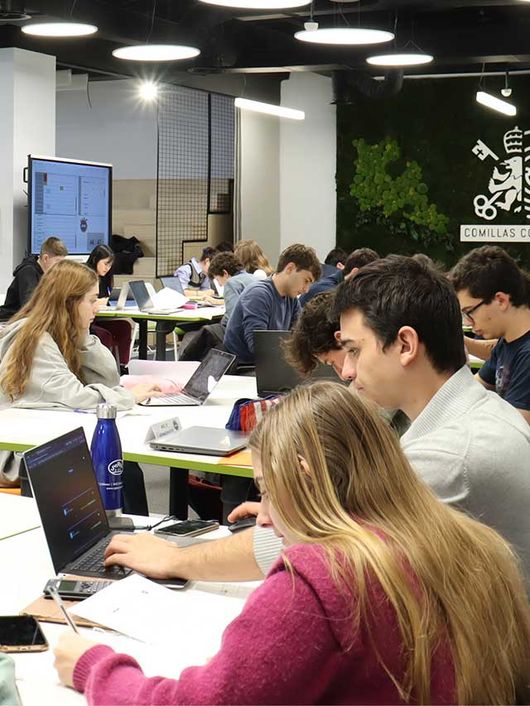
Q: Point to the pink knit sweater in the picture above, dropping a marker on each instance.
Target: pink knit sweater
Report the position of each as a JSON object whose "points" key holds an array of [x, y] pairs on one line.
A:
{"points": [[292, 644]]}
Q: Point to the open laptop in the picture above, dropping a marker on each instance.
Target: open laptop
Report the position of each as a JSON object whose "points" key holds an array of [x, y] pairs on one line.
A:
{"points": [[274, 374], [120, 297], [202, 440], [175, 283], [144, 301], [200, 384], [72, 514]]}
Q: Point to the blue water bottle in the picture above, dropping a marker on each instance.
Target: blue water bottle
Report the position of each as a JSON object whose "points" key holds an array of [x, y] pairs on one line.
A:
{"points": [[108, 459]]}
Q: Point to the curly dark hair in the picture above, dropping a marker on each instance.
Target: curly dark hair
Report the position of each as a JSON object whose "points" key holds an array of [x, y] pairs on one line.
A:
{"points": [[303, 257], [224, 261], [313, 334]]}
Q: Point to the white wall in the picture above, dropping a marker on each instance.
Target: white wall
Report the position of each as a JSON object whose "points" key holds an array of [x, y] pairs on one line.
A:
{"points": [[27, 125], [308, 164], [259, 137], [119, 128]]}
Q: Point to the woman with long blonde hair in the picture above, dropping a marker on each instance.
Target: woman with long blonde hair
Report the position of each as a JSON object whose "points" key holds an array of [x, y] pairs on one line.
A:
{"points": [[382, 595], [253, 258], [48, 358]]}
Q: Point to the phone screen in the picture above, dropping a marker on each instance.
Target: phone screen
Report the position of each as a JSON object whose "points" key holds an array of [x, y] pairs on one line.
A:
{"points": [[188, 526], [20, 630]]}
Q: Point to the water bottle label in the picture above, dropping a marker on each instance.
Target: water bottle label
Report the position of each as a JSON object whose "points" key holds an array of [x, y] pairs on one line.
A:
{"points": [[116, 467]]}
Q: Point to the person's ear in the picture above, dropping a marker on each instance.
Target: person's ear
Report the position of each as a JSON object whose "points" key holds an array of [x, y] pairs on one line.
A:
{"points": [[337, 336], [408, 345], [289, 268], [352, 273], [503, 300], [304, 466]]}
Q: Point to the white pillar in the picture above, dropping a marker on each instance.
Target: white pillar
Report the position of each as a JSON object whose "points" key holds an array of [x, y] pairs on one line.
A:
{"points": [[27, 125], [308, 161]]}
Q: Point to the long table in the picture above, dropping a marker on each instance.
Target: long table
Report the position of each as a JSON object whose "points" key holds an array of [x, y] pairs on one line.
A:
{"points": [[165, 323], [21, 429], [26, 566]]}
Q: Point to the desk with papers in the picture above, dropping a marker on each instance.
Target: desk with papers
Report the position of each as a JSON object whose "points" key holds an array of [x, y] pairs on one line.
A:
{"points": [[199, 615]]}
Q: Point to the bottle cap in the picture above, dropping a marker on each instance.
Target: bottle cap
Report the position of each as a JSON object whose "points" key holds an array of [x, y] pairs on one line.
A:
{"points": [[106, 411]]}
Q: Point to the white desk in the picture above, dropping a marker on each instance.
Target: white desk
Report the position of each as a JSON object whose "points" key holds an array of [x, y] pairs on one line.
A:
{"points": [[26, 566], [20, 429]]}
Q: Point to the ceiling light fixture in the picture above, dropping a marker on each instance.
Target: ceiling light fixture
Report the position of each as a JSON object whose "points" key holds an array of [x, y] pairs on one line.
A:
{"points": [[258, 4], [278, 110], [491, 101], [156, 52], [415, 58], [346, 36], [59, 29], [148, 91]]}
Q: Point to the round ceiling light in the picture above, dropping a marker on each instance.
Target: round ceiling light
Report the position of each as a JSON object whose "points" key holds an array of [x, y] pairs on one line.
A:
{"points": [[156, 52], [258, 4], [59, 29], [345, 36], [400, 59]]}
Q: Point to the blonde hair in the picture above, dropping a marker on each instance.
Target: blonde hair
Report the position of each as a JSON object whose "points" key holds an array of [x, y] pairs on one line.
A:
{"points": [[445, 574], [252, 256], [52, 309]]}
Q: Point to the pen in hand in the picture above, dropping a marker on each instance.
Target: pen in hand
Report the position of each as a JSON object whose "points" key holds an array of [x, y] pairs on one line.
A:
{"points": [[59, 602]]}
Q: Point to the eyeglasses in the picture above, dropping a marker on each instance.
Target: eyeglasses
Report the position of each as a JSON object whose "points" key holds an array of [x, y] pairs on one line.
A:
{"points": [[468, 313]]}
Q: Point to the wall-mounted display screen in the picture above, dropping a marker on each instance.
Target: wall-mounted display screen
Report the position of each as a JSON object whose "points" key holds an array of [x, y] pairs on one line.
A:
{"points": [[71, 200]]}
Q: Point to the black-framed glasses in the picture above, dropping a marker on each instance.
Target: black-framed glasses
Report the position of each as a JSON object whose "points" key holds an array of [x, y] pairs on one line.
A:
{"points": [[468, 313]]}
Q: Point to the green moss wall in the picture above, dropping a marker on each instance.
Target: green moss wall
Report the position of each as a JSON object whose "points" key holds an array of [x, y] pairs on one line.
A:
{"points": [[435, 123]]}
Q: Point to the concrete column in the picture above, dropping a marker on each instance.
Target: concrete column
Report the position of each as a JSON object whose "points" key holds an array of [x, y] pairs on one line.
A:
{"points": [[27, 126]]}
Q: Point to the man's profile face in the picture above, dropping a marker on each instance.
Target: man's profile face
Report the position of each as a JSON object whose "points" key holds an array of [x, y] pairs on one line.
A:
{"points": [[374, 373], [335, 359], [483, 318], [299, 281]]}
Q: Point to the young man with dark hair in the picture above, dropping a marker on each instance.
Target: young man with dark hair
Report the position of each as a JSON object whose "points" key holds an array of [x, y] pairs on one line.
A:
{"points": [[400, 326], [193, 275], [27, 275], [335, 260], [493, 297], [228, 272], [271, 304], [355, 260]]}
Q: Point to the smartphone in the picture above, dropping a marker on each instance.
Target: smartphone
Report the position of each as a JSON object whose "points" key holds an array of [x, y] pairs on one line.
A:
{"points": [[188, 528], [21, 633]]}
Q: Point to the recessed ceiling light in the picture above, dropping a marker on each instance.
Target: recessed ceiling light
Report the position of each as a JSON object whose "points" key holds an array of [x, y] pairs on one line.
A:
{"points": [[258, 4], [495, 103], [59, 29], [156, 52], [400, 59], [345, 36], [270, 109]]}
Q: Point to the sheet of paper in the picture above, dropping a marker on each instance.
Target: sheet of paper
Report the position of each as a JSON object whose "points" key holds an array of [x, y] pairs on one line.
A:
{"points": [[159, 616]]}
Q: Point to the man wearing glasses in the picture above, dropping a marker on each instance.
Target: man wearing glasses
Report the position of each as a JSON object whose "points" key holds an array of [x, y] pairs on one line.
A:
{"points": [[493, 296]]}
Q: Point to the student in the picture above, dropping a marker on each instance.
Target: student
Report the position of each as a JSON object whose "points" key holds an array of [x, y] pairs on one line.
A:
{"points": [[400, 325], [381, 595], [492, 292], [229, 273], [357, 259], [27, 275], [272, 303], [335, 260], [193, 275], [115, 334], [253, 259], [47, 357]]}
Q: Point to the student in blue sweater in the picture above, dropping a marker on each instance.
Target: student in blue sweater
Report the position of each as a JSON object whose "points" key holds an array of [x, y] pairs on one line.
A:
{"points": [[271, 304]]}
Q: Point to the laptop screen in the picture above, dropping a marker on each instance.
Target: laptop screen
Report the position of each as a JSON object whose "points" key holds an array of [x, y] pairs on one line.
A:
{"points": [[208, 374], [141, 294], [67, 495], [173, 283]]}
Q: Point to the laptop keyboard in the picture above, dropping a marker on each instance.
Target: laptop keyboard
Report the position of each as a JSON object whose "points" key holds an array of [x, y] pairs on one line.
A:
{"points": [[92, 561], [177, 400]]}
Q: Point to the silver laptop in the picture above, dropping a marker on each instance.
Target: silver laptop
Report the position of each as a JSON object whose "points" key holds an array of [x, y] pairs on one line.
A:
{"points": [[200, 384], [173, 283], [144, 301], [202, 440]]}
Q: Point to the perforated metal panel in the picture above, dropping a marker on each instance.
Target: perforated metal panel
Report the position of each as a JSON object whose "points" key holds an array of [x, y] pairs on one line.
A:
{"points": [[195, 169]]}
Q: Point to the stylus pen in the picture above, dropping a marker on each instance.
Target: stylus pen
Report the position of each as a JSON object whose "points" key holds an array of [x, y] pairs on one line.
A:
{"points": [[59, 601]]}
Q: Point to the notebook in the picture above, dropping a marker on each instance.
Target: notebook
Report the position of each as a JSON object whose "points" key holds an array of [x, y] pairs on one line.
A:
{"points": [[274, 374], [144, 301], [200, 384], [71, 511], [202, 440]]}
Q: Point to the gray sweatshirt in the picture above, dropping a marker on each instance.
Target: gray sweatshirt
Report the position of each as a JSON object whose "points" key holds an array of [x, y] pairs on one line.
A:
{"points": [[52, 383]]}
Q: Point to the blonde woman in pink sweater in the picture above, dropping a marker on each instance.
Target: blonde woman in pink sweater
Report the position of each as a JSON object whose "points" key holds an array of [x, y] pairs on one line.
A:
{"points": [[383, 595]]}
